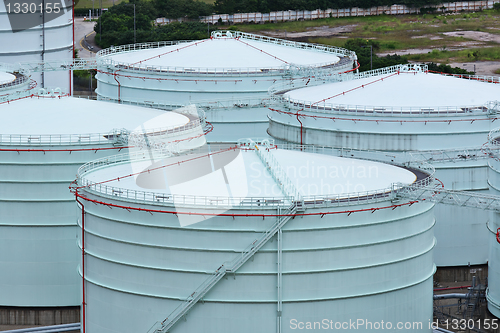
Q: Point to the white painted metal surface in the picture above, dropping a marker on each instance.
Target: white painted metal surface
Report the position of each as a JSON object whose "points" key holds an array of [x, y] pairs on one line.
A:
{"points": [[43, 141], [427, 114], [142, 262], [51, 41], [234, 67], [493, 292]]}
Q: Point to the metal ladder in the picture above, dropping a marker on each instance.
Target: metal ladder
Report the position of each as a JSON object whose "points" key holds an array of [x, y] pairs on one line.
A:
{"points": [[227, 267]]}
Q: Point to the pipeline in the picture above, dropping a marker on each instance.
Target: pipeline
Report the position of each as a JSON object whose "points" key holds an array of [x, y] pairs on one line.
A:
{"points": [[83, 258], [382, 120], [447, 296], [349, 212]]}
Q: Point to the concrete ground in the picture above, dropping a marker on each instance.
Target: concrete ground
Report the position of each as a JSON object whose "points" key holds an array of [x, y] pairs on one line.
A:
{"points": [[85, 29]]}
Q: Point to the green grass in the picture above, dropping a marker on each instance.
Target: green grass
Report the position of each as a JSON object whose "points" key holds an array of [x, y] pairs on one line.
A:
{"points": [[398, 33], [444, 56], [497, 71]]}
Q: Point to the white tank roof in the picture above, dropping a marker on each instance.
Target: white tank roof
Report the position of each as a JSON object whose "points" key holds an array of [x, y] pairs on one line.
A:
{"points": [[6, 78], [226, 53], [246, 176], [69, 115], [401, 90]]}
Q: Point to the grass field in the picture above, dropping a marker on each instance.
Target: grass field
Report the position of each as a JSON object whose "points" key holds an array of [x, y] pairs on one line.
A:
{"points": [[395, 33]]}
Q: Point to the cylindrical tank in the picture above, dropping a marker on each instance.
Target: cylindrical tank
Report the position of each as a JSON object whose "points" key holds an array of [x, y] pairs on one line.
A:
{"points": [[353, 252], [493, 292], [43, 141], [405, 109], [28, 36], [231, 67]]}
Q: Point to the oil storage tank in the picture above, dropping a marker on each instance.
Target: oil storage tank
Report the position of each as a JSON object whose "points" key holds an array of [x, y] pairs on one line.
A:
{"points": [[231, 67], [44, 138], [30, 36], [405, 109], [318, 238], [493, 292]]}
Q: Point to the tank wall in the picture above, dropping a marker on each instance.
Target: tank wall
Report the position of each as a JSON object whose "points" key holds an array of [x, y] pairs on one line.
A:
{"points": [[493, 292], [232, 124], [136, 260], [38, 252], [26, 46], [180, 89], [393, 136]]}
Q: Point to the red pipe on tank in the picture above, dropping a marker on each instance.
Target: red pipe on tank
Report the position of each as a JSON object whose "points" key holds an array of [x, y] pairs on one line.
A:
{"points": [[83, 261], [119, 87], [301, 126]]}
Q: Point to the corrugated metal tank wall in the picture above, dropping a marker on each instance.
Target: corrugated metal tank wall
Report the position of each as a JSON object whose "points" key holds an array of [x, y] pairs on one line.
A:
{"points": [[493, 292], [38, 256], [460, 231], [27, 45], [139, 265]]}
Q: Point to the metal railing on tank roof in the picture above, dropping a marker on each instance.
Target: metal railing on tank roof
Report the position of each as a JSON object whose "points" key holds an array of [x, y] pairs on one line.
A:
{"points": [[278, 70], [171, 200]]}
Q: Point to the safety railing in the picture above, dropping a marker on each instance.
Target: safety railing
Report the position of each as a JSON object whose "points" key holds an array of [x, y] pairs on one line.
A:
{"points": [[167, 199], [299, 45], [381, 110], [278, 70], [19, 81], [281, 87], [58, 139]]}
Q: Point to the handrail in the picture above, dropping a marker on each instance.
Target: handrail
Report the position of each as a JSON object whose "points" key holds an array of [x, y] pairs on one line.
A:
{"points": [[277, 70], [158, 198], [18, 81], [279, 98]]}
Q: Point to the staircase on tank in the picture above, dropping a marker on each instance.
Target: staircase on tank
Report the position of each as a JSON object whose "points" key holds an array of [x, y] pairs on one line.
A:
{"points": [[290, 192]]}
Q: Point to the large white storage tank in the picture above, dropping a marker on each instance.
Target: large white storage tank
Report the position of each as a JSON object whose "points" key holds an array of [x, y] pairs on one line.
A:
{"points": [[231, 67], [43, 141], [493, 292], [155, 235], [405, 109], [27, 38]]}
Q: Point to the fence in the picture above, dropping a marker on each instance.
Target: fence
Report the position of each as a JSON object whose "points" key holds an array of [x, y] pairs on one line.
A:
{"points": [[292, 15]]}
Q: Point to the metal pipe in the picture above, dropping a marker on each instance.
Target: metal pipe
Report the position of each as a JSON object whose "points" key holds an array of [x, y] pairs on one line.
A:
{"points": [[447, 296], [83, 260], [47, 329]]}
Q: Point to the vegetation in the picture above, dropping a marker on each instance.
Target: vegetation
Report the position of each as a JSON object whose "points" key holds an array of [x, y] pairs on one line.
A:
{"points": [[117, 24], [365, 50]]}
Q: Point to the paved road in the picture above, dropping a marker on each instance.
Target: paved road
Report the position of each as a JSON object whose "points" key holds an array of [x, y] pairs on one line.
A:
{"points": [[82, 29]]}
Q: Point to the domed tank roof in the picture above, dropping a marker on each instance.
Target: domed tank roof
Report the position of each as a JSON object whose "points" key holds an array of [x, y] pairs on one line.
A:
{"points": [[67, 115], [226, 52], [6, 78], [238, 172], [403, 89]]}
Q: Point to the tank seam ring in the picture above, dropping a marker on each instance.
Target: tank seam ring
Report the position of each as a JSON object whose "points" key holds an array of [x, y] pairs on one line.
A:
{"points": [[271, 301], [408, 258], [289, 251]]}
